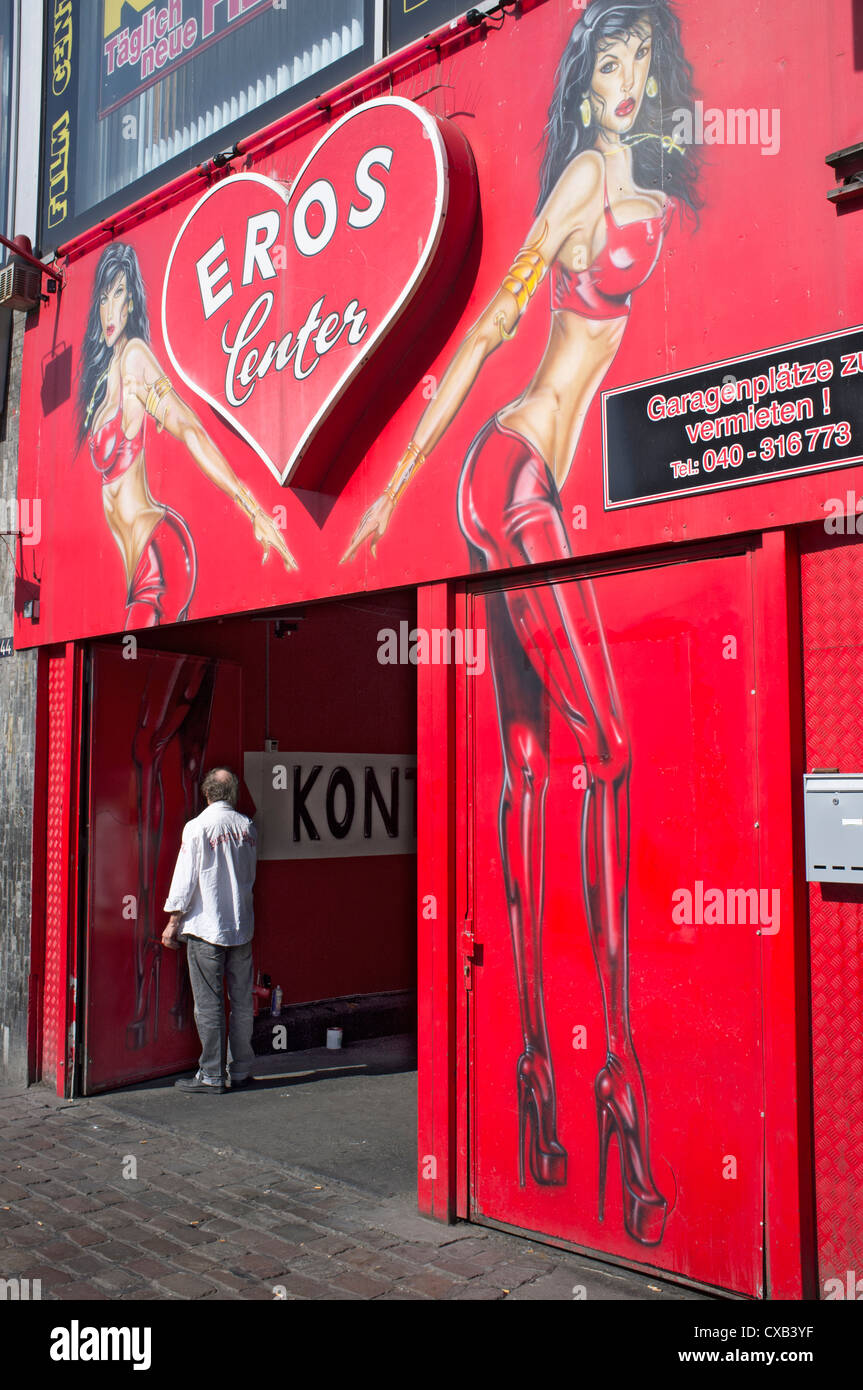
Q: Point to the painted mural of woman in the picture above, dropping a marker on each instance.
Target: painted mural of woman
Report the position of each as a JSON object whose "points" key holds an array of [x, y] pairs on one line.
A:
{"points": [[610, 178], [121, 387]]}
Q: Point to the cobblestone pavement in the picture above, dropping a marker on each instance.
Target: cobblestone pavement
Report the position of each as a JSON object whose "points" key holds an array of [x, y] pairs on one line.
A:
{"points": [[201, 1222]]}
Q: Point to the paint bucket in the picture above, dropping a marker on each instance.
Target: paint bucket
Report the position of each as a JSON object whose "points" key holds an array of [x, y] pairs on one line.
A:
{"points": [[334, 1038]]}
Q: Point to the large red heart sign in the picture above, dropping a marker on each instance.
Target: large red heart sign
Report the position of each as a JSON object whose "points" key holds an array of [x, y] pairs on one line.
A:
{"points": [[273, 304]]}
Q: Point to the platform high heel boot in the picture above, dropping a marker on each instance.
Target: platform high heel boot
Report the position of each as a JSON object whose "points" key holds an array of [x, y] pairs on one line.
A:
{"points": [[536, 1112], [621, 1108]]}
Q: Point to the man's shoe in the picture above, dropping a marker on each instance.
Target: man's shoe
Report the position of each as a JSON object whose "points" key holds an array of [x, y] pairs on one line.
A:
{"points": [[194, 1083], [242, 1083]]}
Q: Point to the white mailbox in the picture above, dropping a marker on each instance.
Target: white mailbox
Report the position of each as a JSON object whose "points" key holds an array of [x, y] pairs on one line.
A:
{"points": [[833, 808]]}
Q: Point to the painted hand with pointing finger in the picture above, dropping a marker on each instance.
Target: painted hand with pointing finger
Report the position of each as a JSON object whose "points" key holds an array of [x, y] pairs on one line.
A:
{"points": [[372, 526], [267, 532], [376, 520]]}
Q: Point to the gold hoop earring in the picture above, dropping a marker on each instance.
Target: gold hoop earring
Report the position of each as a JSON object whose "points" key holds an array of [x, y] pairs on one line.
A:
{"points": [[652, 87], [586, 113], [131, 305]]}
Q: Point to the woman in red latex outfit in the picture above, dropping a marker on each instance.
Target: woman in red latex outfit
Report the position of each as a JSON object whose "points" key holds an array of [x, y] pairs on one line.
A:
{"points": [[610, 178], [122, 387]]}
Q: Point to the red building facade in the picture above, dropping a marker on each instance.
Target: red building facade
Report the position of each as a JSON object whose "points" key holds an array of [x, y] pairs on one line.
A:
{"points": [[531, 409]]}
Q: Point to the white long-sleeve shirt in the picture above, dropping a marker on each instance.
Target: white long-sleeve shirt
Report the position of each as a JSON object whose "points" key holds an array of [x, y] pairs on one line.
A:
{"points": [[214, 876]]}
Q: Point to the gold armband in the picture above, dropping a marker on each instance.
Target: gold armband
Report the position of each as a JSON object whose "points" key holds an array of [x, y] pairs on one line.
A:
{"points": [[412, 459], [525, 273], [156, 400], [244, 499]]}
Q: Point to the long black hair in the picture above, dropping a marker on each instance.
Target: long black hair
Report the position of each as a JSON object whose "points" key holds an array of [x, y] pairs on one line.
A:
{"points": [[654, 165], [117, 258]]}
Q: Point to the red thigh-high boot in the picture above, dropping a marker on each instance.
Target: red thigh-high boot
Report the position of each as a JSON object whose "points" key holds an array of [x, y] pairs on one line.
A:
{"points": [[510, 513], [524, 735], [498, 469], [566, 644]]}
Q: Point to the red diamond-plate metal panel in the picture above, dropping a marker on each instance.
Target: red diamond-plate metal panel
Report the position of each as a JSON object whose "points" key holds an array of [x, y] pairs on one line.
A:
{"points": [[56, 869], [832, 594]]}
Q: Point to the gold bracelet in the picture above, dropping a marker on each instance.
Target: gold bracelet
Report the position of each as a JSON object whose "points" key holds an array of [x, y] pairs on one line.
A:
{"points": [[244, 499], [156, 398], [526, 271], [412, 459]]}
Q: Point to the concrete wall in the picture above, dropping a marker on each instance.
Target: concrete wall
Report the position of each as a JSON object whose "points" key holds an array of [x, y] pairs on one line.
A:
{"points": [[17, 751], [17, 672]]}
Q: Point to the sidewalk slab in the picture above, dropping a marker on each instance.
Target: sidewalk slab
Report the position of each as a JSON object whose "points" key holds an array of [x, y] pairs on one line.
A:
{"points": [[233, 1202]]}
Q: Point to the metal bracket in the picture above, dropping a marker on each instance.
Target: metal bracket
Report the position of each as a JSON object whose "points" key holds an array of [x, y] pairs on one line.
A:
{"points": [[847, 165], [22, 248]]}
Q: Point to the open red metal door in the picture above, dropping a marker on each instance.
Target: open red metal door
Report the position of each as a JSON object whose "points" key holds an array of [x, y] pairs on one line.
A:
{"points": [[617, 910], [156, 721]]}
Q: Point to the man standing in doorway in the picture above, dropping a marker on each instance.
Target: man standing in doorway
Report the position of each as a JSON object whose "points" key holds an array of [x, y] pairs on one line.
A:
{"points": [[211, 892]]}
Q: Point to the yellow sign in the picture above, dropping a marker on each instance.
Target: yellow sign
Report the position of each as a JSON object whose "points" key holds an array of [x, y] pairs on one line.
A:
{"points": [[58, 170], [62, 47], [114, 12]]}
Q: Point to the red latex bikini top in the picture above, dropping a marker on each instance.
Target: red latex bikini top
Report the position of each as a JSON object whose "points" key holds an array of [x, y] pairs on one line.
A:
{"points": [[112, 453], [603, 290]]}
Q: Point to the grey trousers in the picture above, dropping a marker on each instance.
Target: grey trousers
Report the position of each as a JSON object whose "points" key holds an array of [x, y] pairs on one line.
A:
{"points": [[209, 967]]}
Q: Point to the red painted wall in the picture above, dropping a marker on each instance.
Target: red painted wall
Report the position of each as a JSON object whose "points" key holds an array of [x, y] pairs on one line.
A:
{"points": [[770, 262], [334, 926]]}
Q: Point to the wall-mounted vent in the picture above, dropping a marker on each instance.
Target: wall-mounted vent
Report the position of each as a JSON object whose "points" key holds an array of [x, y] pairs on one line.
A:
{"points": [[20, 286]]}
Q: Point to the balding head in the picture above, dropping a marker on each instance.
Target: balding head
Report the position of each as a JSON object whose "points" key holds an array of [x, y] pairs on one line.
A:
{"points": [[221, 784]]}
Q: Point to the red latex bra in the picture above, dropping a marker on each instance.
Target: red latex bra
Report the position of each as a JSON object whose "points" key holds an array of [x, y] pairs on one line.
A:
{"points": [[112, 453], [627, 259]]}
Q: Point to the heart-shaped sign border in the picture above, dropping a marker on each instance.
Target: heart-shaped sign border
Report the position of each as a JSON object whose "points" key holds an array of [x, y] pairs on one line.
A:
{"points": [[424, 262]]}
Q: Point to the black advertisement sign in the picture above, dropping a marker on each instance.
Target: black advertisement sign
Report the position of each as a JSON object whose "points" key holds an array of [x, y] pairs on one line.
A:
{"points": [[61, 108], [408, 19], [796, 409], [144, 40], [153, 80]]}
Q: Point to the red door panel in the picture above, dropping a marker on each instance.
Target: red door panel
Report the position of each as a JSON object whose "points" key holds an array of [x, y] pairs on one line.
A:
{"points": [[626, 1019], [155, 722]]}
